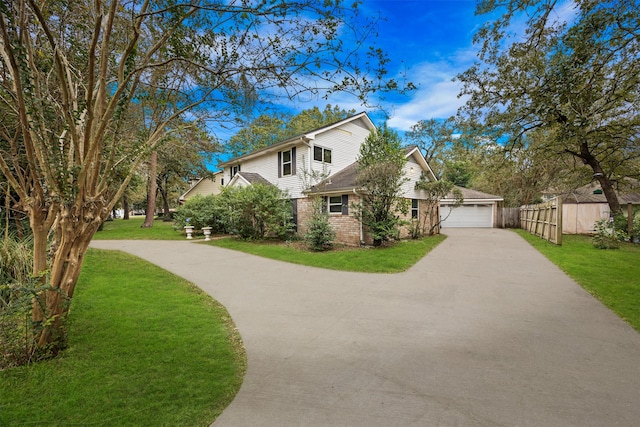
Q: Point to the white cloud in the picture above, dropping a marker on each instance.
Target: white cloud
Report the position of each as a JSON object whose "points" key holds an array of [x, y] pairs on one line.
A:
{"points": [[437, 93]]}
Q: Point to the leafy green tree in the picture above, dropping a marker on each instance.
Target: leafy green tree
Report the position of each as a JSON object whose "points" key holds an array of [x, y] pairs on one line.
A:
{"points": [[380, 177], [576, 78], [95, 87]]}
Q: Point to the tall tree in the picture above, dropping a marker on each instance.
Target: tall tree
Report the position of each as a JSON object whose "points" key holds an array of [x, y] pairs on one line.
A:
{"points": [[74, 75], [380, 176], [575, 76]]}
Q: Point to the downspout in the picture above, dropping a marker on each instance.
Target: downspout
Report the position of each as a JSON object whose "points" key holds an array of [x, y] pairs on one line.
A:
{"points": [[360, 220]]}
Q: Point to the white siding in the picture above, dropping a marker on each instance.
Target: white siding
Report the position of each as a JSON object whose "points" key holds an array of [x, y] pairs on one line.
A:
{"points": [[344, 143], [205, 187], [412, 172]]}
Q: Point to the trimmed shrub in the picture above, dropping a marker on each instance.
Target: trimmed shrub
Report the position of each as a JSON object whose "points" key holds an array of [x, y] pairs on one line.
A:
{"points": [[258, 211], [201, 211]]}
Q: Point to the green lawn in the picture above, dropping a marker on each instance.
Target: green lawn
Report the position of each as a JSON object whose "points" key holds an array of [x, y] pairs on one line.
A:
{"points": [[611, 275], [120, 229], [393, 259], [146, 348]]}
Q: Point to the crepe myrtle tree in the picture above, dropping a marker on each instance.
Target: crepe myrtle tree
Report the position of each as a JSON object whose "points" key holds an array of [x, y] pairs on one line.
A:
{"points": [[77, 77]]}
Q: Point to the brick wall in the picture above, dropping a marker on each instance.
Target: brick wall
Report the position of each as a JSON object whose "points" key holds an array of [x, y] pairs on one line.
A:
{"points": [[347, 227]]}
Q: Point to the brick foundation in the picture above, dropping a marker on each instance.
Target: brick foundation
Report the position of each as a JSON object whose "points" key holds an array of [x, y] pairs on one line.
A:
{"points": [[347, 227]]}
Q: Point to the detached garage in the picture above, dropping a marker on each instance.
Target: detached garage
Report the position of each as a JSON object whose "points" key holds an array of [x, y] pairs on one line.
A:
{"points": [[478, 210]]}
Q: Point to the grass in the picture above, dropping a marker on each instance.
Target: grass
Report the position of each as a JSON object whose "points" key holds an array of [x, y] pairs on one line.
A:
{"points": [[120, 229], [393, 259], [612, 276], [146, 348]]}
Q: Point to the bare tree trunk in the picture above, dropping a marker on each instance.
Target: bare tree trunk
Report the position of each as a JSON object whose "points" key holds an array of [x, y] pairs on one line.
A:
{"points": [[152, 189], [125, 207], [165, 201], [607, 188]]}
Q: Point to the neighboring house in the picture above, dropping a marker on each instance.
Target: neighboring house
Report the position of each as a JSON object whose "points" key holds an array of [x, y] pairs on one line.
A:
{"points": [[330, 152], [204, 187], [582, 207], [478, 210]]}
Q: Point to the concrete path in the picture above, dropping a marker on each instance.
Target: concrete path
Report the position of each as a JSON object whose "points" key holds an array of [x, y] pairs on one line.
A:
{"points": [[484, 331]]}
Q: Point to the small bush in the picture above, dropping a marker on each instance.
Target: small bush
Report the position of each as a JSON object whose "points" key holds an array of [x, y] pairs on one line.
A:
{"points": [[321, 235], [606, 235]]}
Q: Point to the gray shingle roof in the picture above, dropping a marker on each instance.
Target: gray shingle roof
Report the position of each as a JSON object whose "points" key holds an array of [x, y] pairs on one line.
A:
{"points": [[585, 194], [344, 179], [254, 178], [468, 193]]}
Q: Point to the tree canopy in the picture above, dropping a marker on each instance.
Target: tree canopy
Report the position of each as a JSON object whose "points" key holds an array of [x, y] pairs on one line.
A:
{"points": [[573, 73]]}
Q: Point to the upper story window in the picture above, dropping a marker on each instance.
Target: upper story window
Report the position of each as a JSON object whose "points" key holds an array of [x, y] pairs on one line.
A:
{"points": [[234, 170], [321, 154], [287, 162]]}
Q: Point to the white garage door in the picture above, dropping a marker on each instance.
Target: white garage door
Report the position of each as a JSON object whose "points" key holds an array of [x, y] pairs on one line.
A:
{"points": [[468, 216]]}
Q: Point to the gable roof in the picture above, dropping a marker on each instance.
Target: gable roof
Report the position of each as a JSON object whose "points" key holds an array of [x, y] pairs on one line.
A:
{"points": [[592, 193], [346, 179], [414, 151], [197, 184], [304, 138], [249, 178], [341, 180], [470, 195]]}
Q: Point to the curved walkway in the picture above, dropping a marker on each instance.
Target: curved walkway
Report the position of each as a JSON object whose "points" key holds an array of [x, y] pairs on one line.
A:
{"points": [[484, 331]]}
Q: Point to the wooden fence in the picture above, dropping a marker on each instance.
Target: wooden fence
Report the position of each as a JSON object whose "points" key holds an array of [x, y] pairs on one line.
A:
{"points": [[544, 220], [508, 217]]}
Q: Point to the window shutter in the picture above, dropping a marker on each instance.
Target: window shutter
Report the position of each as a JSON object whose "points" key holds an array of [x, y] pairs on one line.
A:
{"points": [[345, 204], [325, 203], [293, 160], [279, 164]]}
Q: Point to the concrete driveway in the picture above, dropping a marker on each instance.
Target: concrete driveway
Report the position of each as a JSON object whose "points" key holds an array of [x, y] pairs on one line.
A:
{"points": [[484, 331]]}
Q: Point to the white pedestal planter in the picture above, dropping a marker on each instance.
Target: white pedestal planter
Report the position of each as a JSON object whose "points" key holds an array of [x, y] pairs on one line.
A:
{"points": [[189, 230], [207, 233]]}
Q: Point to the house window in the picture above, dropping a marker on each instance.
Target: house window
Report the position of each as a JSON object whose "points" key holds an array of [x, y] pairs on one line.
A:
{"points": [[235, 170], [336, 204], [321, 154], [414, 208], [287, 162]]}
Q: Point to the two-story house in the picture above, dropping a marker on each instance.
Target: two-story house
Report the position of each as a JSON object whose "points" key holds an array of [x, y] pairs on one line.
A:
{"points": [[330, 152]]}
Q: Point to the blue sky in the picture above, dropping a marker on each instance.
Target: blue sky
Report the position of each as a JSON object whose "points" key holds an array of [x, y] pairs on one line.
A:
{"points": [[430, 41]]}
